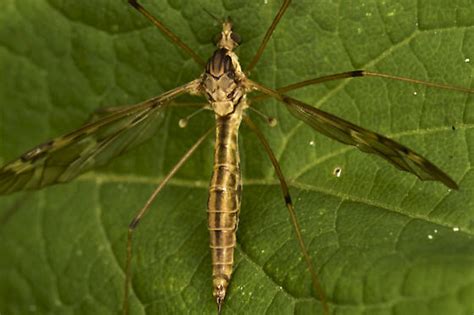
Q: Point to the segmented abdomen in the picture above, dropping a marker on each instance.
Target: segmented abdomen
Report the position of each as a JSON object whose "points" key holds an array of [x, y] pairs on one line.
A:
{"points": [[223, 205]]}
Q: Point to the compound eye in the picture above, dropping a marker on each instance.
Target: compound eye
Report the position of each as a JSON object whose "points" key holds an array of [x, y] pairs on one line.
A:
{"points": [[236, 38], [217, 38]]}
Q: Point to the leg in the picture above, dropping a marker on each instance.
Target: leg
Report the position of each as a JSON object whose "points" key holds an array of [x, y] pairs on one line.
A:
{"points": [[167, 32], [361, 73], [269, 33], [132, 226], [289, 204]]}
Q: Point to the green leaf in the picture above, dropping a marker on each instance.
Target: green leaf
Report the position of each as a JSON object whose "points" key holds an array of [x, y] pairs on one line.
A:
{"points": [[383, 242]]}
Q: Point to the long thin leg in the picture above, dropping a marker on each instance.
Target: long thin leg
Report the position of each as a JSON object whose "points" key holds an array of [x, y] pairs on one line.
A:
{"points": [[132, 226], [267, 36], [358, 74], [167, 32], [289, 204]]}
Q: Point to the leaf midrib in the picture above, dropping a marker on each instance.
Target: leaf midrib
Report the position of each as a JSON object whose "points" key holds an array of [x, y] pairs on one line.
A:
{"points": [[101, 178]]}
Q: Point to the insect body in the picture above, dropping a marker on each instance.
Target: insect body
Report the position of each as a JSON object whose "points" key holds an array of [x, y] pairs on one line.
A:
{"points": [[223, 83]]}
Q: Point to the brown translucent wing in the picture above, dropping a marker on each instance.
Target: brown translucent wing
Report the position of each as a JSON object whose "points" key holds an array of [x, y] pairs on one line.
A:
{"points": [[367, 141], [106, 136]]}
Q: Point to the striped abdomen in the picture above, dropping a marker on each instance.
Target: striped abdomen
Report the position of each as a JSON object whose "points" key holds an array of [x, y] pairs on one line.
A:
{"points": [[223, 205]]}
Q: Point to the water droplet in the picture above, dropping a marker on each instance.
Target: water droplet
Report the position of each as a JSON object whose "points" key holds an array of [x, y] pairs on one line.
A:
{"points": [[435, 230], [368, 13], [312, 143], [456, 229], [415, 93], [430, 236], [467, 60]]}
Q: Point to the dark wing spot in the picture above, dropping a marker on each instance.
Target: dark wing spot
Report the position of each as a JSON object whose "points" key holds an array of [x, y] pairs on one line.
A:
{"points": [[405, 150]]}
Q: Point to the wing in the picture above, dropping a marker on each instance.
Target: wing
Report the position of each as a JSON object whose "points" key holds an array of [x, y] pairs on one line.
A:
{"points": [[367, 141], [94, 144]]}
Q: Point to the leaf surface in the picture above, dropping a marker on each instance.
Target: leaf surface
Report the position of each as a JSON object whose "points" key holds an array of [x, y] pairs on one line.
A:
{"points": [[383, 242]]}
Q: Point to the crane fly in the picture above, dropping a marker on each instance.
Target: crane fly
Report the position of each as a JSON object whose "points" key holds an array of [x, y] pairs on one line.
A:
{"points": [[226, 88]]}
